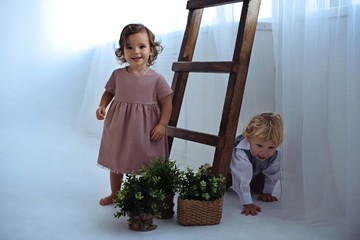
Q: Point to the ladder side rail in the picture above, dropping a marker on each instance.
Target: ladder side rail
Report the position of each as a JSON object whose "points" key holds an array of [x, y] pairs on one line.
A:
{"points": [[232, 77], [222, 158], [186, 54]]}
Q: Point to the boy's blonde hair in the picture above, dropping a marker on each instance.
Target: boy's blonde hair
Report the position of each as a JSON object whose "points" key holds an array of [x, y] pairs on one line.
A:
{"points": [[266, 126]]}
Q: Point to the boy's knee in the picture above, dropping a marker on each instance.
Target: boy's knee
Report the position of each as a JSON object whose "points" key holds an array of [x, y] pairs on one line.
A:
{"points": [[257, 184], [228, 180]]}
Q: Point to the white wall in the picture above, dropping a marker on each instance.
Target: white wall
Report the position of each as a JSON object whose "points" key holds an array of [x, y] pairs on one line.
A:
{"points": [[41, 77]]}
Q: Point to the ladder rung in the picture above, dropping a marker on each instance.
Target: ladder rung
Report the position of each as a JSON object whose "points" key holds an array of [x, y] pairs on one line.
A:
{"points": [[196, 4], [213, 67], [204, 138]]}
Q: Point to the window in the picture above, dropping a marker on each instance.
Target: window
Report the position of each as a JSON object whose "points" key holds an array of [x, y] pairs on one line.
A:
{"points": [[265, 9]]}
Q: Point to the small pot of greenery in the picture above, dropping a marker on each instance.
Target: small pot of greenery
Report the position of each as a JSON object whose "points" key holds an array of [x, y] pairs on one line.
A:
{"points": [[166, 175], [200, 198], [139, 200]]}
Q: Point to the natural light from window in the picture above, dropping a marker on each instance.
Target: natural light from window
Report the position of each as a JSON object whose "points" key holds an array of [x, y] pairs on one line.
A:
{"points": [[70, 23], [83, 23]]}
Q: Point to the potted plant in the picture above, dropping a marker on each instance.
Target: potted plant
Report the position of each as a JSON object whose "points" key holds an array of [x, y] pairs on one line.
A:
{"points": [[139, 200], [167, 175], [201, 197]]}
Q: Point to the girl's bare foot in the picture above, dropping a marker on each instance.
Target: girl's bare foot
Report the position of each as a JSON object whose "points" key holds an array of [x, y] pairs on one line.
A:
{"points": [[115, 184], [107, 200]]}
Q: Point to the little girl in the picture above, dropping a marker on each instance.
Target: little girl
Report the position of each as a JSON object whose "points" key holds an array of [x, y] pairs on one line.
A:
{"points": [[255, 162], [141, 103]]}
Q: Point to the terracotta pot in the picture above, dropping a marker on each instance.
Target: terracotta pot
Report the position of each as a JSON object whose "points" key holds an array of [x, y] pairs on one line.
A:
{"points": [[141, 223]]}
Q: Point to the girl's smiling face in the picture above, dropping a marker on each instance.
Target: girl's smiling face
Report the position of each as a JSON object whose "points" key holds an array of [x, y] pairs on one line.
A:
{"points": [[137, 49], [262, 149]]}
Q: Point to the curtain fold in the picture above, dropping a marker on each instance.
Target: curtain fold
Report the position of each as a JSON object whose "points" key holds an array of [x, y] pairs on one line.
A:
{"points": [[317, 52]]}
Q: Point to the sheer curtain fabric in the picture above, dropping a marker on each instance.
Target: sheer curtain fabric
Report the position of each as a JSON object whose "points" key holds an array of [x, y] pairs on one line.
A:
{"points": [[317, 59]]}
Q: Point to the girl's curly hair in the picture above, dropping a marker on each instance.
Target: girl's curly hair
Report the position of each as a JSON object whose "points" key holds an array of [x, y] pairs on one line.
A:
{"points": [[133, 29]]}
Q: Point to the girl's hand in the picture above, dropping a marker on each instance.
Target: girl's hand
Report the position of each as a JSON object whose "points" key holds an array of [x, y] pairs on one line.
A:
{"points": [[266, 197], [250, 209], [158, 132], [100, 113]]}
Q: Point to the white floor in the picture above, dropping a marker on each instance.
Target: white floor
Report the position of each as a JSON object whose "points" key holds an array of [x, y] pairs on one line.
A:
{"points": [[50, 186]]}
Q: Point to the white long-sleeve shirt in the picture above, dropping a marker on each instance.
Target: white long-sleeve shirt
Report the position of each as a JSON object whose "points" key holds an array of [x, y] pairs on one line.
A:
{"points": [[244, 167]]}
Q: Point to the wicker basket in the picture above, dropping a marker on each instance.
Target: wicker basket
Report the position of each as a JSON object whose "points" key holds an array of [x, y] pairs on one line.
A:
{"points": [[195, 212]]}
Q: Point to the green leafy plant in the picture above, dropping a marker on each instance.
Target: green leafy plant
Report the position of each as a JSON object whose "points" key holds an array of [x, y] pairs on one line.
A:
{"points": [[204, 185], [138, 196], [167, 175], [166, 172]]}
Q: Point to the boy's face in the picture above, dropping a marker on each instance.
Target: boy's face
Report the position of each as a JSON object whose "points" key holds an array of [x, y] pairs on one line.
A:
{"points": [[262, 149]]}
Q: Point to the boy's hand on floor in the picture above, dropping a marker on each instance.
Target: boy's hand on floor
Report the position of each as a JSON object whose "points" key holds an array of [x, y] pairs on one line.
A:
{"points": [[266, 197], [250, 209]]}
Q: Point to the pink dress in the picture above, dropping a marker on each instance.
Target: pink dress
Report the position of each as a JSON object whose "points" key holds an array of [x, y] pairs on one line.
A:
{"points": [[133, 113]]}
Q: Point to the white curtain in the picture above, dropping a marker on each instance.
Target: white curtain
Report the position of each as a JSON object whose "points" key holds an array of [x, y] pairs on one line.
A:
{"points": [[317, 58]]}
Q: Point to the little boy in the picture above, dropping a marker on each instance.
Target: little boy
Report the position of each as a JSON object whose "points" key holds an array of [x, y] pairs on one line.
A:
{"points": [[255, 161]]}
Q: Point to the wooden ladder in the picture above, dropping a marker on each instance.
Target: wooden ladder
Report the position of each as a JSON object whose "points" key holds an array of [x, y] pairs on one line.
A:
{"points": [[237, 70]]}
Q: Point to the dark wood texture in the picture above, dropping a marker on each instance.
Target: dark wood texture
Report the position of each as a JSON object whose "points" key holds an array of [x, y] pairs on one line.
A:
{"points": [[196, 4], [215, 67], [237, 70]]}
